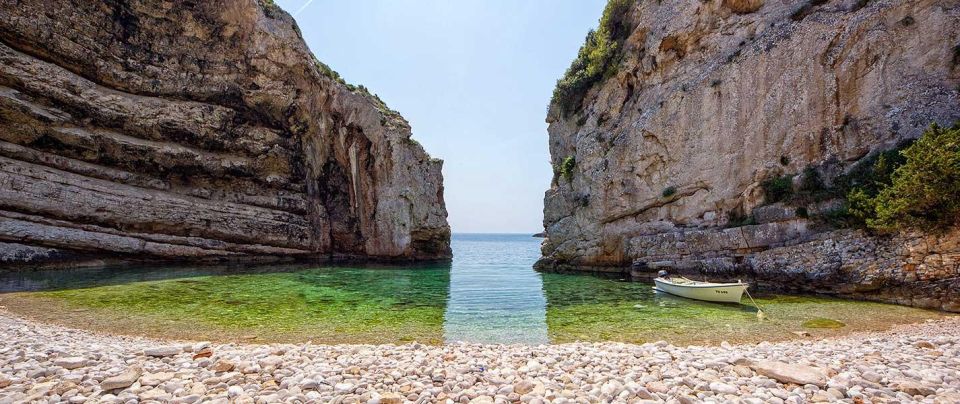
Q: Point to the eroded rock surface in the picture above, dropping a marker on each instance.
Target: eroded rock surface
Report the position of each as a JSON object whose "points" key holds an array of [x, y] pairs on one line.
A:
{"points": [[197, 130], [713, 97]]}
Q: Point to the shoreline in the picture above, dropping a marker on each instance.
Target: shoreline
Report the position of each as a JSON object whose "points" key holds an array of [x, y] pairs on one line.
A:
{"points": [[776, 328], [54, 363]]}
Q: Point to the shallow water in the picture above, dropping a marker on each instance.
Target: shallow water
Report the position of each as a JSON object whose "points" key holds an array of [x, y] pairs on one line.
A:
{"points": [[489, 293]]}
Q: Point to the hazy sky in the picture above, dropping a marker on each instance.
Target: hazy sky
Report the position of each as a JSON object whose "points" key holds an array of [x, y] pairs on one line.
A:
{"points": [[473, 77]]}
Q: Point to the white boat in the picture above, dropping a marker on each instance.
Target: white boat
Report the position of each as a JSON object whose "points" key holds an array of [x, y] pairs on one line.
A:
{"points": [[708, 291]]}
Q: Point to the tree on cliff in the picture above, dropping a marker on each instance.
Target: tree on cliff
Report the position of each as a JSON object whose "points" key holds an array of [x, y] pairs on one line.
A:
{"points": [[922, 192]]}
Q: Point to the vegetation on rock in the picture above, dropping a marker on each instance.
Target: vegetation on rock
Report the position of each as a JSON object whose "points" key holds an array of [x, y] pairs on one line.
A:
{"points": [[918, 189], [328, 72], [911, 186], [270, 8], [597, 59], [777, 189], [566, 167]]}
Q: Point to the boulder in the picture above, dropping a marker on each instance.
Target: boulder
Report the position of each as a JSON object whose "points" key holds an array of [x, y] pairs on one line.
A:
{"points": [[787, 372], [925, 345], [523, 387], [121, 381], [223, 366], [914, 388], [391, 398], [155, 379], [203, 353], [70, 363], [162, 352]]}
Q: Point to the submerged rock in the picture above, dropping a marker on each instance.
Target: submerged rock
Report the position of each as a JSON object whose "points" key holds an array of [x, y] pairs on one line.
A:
{"points": [[823, 323]]}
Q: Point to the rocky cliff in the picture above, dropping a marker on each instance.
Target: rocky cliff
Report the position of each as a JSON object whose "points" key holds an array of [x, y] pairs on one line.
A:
{"points": [[173, 130], [660, 163]]}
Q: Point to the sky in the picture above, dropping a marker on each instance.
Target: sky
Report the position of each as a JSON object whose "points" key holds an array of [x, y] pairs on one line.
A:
{"points": [[473, 78]]}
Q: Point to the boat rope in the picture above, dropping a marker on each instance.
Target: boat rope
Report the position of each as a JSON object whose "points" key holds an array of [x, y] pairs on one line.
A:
{"points": [[760, 314]]}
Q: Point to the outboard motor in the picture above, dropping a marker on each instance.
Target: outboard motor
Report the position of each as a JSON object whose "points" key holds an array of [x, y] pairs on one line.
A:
{"points": [[662, 274]]}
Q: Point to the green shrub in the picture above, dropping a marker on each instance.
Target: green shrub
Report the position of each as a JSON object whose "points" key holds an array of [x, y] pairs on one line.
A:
{"points": [[327, 71], [784, 160], [669, 191], [566, 168], [812, 183], [777, 189], [597, 59], [872, 173], [840, 218], [922, 192], [864, 181], [270, 8]]}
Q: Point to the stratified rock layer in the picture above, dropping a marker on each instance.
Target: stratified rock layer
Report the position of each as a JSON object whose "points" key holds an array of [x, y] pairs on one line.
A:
{"points": [[711, 98], [196, 130]]}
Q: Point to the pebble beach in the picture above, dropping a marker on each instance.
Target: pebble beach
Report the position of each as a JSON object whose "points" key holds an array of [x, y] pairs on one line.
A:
{"points": [[47, 363]]}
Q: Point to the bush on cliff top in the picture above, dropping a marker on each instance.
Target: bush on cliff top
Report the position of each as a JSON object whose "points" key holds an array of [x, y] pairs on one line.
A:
{"points": [[596, 60], [922, 192]]}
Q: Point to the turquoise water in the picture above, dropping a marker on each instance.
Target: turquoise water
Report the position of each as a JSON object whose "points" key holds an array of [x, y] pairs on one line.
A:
{"points": [[489, 293]]}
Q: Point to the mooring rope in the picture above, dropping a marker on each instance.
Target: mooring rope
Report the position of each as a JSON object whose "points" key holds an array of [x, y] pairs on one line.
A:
{"points": [[760, 314]]}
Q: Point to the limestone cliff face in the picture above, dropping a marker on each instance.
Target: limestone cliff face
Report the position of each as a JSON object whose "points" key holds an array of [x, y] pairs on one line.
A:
{"points": [[149, 128], [712, 97]]}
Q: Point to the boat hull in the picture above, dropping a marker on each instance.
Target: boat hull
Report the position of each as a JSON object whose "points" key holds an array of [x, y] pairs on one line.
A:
{"points": [[720, 293]]}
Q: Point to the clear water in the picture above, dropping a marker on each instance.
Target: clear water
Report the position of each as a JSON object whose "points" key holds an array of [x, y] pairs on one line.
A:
{"points": [[489, 293], [495, 295]]}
